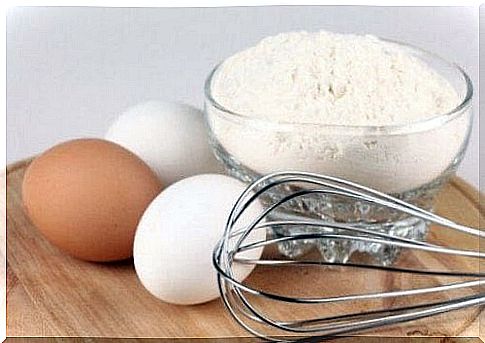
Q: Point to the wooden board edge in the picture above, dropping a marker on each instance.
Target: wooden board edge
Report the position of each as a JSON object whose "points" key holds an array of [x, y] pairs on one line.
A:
{"points": [[465, 187], [17, 165], [470, 192]]}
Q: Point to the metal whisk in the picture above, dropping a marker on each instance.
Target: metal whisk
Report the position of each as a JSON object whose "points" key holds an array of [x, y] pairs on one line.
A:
{"points": [[244, 301]]}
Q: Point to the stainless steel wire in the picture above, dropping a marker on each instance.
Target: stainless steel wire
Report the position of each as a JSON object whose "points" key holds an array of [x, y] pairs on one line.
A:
{"points": [[238, 296]]}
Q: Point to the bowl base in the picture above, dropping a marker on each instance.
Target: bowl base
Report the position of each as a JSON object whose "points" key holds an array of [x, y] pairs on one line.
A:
{"points": [[339, 209]]}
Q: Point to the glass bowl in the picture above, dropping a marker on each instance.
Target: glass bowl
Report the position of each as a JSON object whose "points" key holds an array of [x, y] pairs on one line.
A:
{"points": [[411, 162]]}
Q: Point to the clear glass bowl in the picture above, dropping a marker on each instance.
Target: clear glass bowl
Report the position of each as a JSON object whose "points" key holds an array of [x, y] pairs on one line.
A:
{"points": [[411, 162]]}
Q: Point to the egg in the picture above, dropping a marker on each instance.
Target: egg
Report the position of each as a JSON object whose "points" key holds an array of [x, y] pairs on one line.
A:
{"points": [[176, 236], [170, 137], [86, 197]]}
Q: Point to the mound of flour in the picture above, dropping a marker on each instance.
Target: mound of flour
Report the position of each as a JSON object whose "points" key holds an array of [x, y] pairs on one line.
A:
{"points": [[336, 79], [330, 78]]}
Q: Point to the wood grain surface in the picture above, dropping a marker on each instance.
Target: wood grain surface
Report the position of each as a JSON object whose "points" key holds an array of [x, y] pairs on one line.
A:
{"points": [[51, 294]]}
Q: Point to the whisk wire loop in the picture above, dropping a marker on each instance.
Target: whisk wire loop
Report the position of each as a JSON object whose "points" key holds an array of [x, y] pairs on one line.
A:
{"points": [[241, 299]]}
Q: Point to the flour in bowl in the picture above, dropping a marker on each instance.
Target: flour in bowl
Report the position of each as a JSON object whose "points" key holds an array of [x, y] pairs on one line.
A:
{"points": [[322, 81]]}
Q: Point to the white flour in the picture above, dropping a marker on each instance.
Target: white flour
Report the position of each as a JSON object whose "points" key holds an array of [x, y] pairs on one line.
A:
{"points": [[323, 79]]}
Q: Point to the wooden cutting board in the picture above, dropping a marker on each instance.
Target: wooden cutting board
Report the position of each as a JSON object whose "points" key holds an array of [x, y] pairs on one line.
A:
{"points": [[51, 294]]}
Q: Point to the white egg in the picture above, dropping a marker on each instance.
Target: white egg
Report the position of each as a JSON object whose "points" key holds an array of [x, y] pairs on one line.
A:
{"points": [[170, 137], [178, 232]]}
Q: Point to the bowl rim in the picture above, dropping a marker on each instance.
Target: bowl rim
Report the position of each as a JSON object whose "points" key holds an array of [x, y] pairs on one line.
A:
{"points": [[414, 126]]}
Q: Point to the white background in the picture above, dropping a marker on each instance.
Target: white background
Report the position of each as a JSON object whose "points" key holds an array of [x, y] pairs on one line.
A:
{"points": [[71, 71]]}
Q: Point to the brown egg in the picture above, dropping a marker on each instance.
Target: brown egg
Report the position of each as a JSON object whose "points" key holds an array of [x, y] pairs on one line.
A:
{"points": [[87, 195]]}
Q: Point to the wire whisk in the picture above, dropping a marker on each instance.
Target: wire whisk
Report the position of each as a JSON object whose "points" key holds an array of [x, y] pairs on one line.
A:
{"points": [[244, 300]]}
